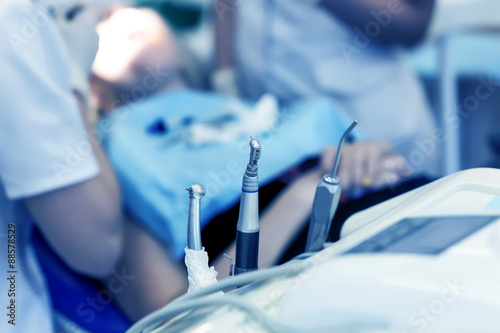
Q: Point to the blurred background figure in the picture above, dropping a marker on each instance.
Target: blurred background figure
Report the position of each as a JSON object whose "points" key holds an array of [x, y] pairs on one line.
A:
{"points": [[459, 53], [354, 53], [51, 176]]}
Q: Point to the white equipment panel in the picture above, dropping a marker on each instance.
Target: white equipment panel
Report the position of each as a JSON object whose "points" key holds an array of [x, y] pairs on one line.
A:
{"points": [[426, 261]]}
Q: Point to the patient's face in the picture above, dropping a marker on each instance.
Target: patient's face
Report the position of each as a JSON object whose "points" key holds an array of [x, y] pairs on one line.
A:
{"points": [[132, 39]]}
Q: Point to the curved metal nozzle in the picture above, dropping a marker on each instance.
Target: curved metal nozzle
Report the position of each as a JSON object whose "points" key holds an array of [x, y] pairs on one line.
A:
{"points": [[196, 192], [339, 149]]}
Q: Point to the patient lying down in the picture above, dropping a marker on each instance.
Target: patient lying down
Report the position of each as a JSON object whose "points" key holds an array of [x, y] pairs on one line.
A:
{"points": [[138, 82]]}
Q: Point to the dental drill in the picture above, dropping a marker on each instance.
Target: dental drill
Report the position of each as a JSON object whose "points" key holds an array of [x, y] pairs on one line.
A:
{"points": [[196, 259], [196, 192], [247, 230], [325, 203]]}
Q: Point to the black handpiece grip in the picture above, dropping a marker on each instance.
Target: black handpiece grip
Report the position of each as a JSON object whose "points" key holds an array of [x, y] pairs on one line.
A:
{"points": [[247, 251]]}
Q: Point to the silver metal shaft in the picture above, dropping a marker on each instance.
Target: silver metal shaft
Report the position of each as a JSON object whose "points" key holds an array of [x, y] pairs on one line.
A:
{"points": [[196, 192], [339, 149]]}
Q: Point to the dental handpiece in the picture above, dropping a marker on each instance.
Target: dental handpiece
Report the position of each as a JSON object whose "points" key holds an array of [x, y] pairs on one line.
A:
{"points": [[325, 203], [247, 230], [196, 192]]}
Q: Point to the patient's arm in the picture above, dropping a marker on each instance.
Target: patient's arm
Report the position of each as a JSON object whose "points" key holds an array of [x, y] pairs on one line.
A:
{"points": [[280, 223], [153, 277]]}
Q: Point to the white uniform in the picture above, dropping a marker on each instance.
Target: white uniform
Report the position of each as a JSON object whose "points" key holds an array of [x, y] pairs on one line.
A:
{"points": [[43, 147], [293, 50]]}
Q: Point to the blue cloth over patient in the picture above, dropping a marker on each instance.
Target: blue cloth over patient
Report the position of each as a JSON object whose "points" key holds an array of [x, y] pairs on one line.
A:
{"points": [[154, 177]]}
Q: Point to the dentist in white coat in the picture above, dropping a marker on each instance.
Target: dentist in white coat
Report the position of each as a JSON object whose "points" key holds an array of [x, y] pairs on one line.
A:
{"points": [[51, 175]]}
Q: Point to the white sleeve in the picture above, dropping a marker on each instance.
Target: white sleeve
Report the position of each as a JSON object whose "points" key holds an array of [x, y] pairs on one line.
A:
{"points": [[43, 144]]}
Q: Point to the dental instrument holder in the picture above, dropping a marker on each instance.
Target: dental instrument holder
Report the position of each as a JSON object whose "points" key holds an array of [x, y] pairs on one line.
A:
{"points": [[247, 230], [325, 203], [196, 192]]}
